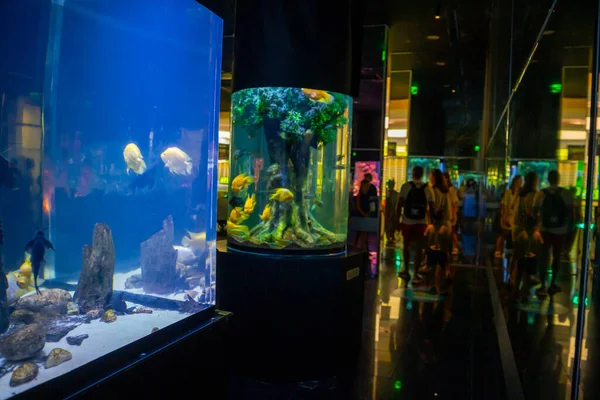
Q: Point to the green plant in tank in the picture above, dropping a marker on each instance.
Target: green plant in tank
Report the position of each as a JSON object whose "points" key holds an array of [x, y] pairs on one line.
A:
{"points": [[292, 121], [295, 110]]}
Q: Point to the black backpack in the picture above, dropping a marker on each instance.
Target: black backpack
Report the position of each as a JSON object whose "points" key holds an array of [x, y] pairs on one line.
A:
{"points": [[554, 210], [416, 202]]}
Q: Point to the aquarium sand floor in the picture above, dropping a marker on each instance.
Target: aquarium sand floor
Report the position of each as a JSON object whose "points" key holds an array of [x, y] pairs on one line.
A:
{"points": [[103, 338]]}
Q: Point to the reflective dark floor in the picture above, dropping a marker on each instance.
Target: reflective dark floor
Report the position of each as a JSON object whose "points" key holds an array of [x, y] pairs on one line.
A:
{"points": [[478, 342]]}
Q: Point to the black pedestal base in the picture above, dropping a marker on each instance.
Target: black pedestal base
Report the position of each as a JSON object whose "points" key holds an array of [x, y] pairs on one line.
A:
{"points": [[296, 318]]}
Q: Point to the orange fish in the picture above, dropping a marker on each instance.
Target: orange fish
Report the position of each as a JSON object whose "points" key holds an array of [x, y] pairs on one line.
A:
{"points": [[318, 95]]}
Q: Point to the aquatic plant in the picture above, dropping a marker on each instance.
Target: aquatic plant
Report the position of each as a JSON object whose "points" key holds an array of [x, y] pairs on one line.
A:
{"points": [[292, 123]]}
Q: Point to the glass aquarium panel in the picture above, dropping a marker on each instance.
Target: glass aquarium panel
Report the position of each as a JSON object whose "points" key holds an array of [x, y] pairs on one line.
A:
{"points": [[289, 166], [126, 241], [427, 163], [540, 167]]}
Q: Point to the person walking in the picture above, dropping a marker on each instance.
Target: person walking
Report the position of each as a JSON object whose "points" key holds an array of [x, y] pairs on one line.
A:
{"points": [[439, 239], [413, 202], [526, 236], [507, 213], [453, 197], [391, 218], [555, 206]]}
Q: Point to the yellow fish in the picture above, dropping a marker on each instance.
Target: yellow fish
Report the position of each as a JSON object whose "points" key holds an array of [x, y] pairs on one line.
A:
{"points": [[318, 95], [195, 241], [15, 291], [23, 282], [237, 215], [178, 162], [282, 194], [266, 214], [134, 159], [241, 182], [240, 231], [250, 204], [25, 268]]}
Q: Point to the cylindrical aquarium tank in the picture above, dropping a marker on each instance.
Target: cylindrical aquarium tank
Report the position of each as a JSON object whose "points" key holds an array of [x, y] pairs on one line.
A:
{"points": [[289, 178]]}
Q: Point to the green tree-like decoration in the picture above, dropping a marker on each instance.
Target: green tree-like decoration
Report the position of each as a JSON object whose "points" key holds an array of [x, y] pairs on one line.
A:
{"points": [[292, 121]]}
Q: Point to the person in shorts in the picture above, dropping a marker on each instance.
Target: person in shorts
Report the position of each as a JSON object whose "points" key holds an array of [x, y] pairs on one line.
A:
{"points": [[413, 203]]}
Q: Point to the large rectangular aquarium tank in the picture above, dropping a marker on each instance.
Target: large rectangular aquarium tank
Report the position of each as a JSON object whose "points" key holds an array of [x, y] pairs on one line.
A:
{"points": [[126, 242], [289, 170]]}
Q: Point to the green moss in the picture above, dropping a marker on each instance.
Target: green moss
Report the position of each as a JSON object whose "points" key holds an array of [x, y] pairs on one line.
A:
{"points": [[296, 112]]}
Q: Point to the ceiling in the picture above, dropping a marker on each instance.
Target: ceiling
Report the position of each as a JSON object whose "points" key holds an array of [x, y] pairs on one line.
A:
{"points": [[446, 56]]}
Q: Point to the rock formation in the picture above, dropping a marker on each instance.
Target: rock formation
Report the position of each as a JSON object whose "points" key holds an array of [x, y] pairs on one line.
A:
{"points": [[50, 303], [22, 317], [24, 342], [23, 374], [94, 289], [134, 282], [77, 340], [57, 328], [159, 261], [58, 356]]}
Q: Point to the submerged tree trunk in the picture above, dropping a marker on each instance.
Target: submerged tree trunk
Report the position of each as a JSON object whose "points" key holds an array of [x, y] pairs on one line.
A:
{"points": [[291, 222]]}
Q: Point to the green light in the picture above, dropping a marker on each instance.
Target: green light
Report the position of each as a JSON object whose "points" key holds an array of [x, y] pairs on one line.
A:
{"points": [[455, 166], [555, 88], [353, 154], [477, 148], [225, 196], [414, 90], [383, 55], [576, 300], [580, 226], [398, 385], [397, 263]]}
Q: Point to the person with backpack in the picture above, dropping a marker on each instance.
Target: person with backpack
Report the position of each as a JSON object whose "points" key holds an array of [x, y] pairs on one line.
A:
{"points": [[413, 202], [556, 209]]}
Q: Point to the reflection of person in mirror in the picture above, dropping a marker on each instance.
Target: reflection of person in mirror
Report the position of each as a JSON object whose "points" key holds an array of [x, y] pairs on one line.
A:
{"points": [[372, 193], [363, 200], [363, 208], [391, 219]]}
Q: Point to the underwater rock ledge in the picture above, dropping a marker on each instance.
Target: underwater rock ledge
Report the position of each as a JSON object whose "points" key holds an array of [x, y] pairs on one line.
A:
{"points": [[95, 286], [158, 260]]}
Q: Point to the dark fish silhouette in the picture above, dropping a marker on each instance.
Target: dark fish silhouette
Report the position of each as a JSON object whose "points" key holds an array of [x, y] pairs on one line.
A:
{"points": [[236, 202], [144, 180], [241, 153], [8, 174], [37, 247]]}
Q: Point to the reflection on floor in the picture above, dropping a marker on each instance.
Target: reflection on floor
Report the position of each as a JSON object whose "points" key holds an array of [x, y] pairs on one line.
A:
{"points": [[423, 346], [417, 345], [542, 334]]}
